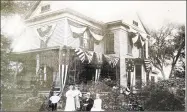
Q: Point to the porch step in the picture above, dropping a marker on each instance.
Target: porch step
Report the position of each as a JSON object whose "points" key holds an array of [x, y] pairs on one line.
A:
{"points": [[60, 110]]}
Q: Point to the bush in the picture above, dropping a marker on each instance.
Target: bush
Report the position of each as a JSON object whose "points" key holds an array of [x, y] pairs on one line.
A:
{"points": [[160, 96]]}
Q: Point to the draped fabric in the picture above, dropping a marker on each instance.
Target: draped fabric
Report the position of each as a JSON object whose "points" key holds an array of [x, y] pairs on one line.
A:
{"points": [[96, 36], [80, 32], [147, 64], [138, 38], [89, 55], [84, 55], [64, 58], [81, 54], [111, 60], [77, 30], [98, 58], [44, 32]]}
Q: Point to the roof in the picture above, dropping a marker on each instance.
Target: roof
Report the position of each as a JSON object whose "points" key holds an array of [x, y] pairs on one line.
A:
{"points": [[93, 11]]}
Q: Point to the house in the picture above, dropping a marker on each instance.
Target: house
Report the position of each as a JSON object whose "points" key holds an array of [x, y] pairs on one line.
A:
{"points": [[68, 47]]}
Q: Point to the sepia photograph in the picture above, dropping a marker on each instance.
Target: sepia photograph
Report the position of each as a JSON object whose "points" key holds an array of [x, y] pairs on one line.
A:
{"points": [[93, 56]]}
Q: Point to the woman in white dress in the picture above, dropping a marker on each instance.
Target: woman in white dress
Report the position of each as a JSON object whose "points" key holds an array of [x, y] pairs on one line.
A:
{"points": [[97, 104], [78, 94], [70, 100]]}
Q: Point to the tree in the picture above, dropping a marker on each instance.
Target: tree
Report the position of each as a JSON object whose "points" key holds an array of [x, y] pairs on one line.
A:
{"points": [[167, 45], [9, 7], [8, 87], [6, 73]]}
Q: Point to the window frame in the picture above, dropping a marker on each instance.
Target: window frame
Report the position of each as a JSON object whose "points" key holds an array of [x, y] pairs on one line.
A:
{"points": [[45, 8], [109, 44]]}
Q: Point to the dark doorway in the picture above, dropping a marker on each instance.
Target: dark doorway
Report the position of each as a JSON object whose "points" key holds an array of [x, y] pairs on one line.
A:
{"points": [[138, 72]]}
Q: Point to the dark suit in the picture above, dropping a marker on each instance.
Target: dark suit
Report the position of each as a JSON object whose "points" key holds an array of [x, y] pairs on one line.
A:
{"points": [[89, 106]]}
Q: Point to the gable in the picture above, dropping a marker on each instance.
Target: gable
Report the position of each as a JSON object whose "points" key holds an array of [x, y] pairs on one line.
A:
{"points": [[132, 19]]}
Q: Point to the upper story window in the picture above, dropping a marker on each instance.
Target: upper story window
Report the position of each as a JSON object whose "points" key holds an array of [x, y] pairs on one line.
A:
{"points": [[110, 44], [135, 23], [87, 42], [45, 8], [142, 52]]}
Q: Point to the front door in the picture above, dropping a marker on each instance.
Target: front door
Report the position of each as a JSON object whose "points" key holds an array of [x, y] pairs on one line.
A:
{"points": [[138, 73]]}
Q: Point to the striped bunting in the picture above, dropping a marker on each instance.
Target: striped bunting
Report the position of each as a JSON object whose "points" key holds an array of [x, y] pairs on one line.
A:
{"points": [[112, 60], [89, 55], [147, 63], [127, 91], [81, 54], [84, 55]]}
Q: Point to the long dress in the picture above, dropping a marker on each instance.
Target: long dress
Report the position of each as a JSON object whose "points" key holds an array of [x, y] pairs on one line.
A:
{"points": [[97, 105], [70, 101], [77, 99]]}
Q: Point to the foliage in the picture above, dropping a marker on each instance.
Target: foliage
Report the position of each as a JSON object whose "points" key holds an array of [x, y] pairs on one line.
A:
{"points": [[161, 97], [9, 7], [7, 74], [167, 44]]}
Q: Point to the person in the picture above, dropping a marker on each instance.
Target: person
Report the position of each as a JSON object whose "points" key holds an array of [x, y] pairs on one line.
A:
{"points": [[97, 104], [77, 99], [54, 100], [70, 101], [87, 103]]}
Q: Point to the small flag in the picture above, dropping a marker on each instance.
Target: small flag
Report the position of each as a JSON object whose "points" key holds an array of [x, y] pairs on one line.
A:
{"points": [[127, 91]]}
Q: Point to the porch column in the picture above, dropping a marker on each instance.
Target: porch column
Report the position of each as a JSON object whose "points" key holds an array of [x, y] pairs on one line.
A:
{"points": [[45, 72], [37, 63], [123, 73], [97, 74]]}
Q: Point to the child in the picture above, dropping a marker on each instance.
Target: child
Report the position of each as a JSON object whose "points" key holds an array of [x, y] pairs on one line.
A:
{"points": [[97, 104]]}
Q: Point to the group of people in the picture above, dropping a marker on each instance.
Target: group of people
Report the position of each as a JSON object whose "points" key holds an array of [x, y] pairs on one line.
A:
{"points": [[75, 102]]}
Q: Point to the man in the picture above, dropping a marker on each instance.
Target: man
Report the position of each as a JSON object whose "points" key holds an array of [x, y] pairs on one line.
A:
{"points": [[54, 100], [87, 103]]}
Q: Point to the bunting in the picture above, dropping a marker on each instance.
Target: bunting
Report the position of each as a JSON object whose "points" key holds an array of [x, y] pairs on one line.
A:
{"points": [[44, 32], [147, 63], [81, 54], [138, 38], [77, 30], [96, 36], [89, 55], [112, 60]]}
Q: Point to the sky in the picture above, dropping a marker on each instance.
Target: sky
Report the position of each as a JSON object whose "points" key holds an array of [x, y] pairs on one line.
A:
{"points": [[153, 13]]}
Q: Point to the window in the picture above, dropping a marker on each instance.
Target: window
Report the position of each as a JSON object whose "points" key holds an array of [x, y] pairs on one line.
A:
{"points": [[45, 8], [110, 44], [135, 23], [142, 52], [129, 47], [87, 42]]}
